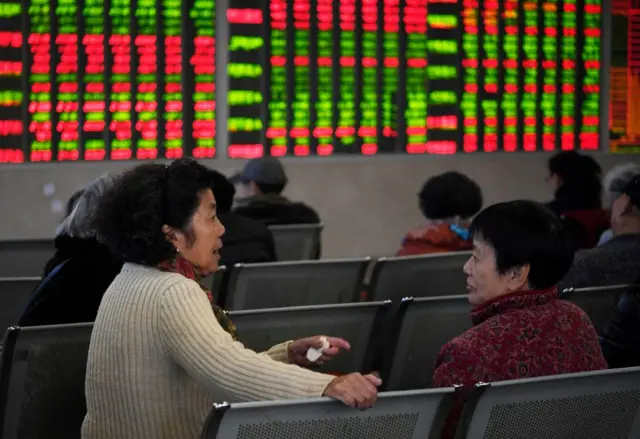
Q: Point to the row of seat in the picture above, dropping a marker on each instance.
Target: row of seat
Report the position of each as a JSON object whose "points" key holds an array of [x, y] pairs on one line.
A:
{"points": [[596, 301], [399, 341], [449, 314], [311, 282], [279, 284], [372, 329], [42, 365], [589, 405], [282, 284], [255, 286], [39, 364], [25, 258]]}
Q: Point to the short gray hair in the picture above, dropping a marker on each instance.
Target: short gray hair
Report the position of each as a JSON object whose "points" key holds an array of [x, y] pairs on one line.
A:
{"points": [[79, 223], [616, 180]]}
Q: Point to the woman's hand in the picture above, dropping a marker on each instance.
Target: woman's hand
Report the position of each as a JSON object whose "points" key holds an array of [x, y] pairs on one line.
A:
{"points": [[298, 349], [355, 390]]}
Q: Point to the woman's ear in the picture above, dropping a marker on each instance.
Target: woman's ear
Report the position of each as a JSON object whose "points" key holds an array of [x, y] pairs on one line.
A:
{"points": [[519, 278], [172, 235]]}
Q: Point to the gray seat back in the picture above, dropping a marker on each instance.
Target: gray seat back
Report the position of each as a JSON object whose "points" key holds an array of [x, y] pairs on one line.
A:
{"points": [[215, 282], [397, 415], [588, 405], [14, 296], [438, 274], [281, 284], [42, 381], [421, 328], [297, 242], [358, 323], [25, 258], [597, 302]]}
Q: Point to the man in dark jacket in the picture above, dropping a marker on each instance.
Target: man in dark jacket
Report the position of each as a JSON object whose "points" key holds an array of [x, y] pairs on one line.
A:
{"points": [[245, 240], [616, 262], [263, 180]]}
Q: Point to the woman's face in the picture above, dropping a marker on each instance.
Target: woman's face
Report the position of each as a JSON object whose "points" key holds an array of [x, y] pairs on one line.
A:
{"points": [[484, 281], [202, 250]]}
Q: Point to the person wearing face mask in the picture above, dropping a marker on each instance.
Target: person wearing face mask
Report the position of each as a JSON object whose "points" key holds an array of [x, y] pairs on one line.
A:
{"points": [[447, 201], [521, 329], [161, 352]]}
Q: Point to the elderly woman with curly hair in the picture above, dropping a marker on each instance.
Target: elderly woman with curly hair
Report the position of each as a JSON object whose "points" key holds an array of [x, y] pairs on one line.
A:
{"points": [[161, 353]]}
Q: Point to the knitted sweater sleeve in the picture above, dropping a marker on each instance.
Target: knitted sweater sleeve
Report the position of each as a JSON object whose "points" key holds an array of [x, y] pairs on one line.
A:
{"points": [[279, 352], [197, 342]]}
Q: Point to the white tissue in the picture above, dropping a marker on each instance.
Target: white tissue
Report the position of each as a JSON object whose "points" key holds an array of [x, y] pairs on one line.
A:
{"points": [[314, 354]]}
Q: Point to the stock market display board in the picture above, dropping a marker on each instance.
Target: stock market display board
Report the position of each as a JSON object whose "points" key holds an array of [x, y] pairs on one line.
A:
{"points": [[107, 79], [136, 79], [414, 76]]}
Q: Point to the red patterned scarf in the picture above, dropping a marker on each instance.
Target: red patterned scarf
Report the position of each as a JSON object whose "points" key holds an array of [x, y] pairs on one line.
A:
{"points": [[181, 266]]}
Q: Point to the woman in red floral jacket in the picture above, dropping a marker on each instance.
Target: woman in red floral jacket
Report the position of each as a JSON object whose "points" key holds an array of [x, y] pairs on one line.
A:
{"points": [[522, 329]]}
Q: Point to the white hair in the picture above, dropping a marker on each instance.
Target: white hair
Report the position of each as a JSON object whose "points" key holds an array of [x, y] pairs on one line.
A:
{"points": [[79, 222], [616, 180]]}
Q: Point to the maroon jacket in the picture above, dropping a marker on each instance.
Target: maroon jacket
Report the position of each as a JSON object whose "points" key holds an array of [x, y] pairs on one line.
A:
{"points": [[520, 335]]}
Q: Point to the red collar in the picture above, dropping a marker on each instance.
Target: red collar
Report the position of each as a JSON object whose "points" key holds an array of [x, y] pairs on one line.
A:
{"points": [[512, 301]]}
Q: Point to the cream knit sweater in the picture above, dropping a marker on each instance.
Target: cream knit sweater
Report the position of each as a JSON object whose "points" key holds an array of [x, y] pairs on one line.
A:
{"points": [[158, 360]]}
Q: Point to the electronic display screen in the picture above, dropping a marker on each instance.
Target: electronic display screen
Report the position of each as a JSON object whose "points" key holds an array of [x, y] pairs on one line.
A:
{"points": [[371, 77], [136, 79]]}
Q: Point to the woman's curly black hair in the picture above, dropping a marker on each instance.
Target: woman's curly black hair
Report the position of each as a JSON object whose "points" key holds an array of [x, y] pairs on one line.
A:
{"points": [[449, 195], [132, 213]]}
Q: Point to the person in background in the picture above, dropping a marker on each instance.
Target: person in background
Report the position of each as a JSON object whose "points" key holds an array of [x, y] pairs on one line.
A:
{"points": [[245, 239], [73, 199], [576, 180], [161, 352], [521, 329], [614, 182], [616, 262], [447, 201], [80, 271], [261, 183]]}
